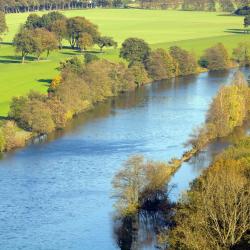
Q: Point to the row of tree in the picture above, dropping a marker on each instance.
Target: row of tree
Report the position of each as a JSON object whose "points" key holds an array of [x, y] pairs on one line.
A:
{"points": [[81, 85], [47, 32], [200, 5], [16, 6]]}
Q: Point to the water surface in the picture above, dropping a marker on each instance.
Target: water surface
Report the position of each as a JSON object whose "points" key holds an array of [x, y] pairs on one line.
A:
{"points": [[57, 194]]}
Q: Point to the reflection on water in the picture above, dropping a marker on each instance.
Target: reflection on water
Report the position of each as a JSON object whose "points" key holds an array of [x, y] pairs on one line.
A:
{"points": [[140, 231], [56, 194]]}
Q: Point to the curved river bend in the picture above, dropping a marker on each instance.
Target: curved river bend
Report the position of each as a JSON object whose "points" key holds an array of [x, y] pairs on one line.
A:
{"points": [[56, 195]]}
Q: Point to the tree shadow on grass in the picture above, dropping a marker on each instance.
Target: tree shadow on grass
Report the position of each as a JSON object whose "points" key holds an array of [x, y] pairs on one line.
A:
{"points": [[238, 31], [15, 59], [46, 82]]}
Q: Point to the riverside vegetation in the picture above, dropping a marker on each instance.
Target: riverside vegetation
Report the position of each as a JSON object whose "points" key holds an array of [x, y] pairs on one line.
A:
{"points": [[215, 213], [82, 83]]}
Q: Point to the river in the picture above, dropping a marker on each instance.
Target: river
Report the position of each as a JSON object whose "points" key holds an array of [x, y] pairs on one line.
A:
{"points": [[57, 194]]}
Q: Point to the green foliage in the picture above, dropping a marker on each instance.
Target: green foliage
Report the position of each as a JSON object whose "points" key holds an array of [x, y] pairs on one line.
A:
{"points": [[77, 26], [161, 65], [247, 21], [106, 41], [24, 43], [89, 57], [74, 64], [216, 57], [186, 62], [135, 50]]}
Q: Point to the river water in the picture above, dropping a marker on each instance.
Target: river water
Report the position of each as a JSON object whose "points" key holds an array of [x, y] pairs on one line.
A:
{"points": [[57, 194]]}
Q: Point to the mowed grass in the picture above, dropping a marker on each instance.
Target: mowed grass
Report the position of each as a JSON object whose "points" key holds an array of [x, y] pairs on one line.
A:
{"points": [[194, 31]]}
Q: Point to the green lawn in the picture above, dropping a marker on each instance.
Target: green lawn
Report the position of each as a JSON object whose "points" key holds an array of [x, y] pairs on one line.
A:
{"points": [[194, 31]]}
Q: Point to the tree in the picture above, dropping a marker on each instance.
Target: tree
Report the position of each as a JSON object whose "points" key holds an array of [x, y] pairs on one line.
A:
{"points": [[78, 25], [58, 112], [105, 41], [215, 213], [241, 54], [185, 62], [246, 21], [135, 50], [85, 41], [139, 73], [24, 43], [59, 28], [33, 22], [217, 57], [3, 24], [37, 117], [138, 181], [44, 41], [161, 65]]}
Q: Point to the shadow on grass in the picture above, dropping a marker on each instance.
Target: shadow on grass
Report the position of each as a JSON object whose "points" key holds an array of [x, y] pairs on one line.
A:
{"points": [[46, 82], [15, 59], [237, 31], [6, 43]]}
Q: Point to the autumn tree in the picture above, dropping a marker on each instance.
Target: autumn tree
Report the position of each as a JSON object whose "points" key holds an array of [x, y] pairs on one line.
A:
{"points": [[2, 141], [44, 41], [215, 213], [241, 54], [161, 65], [135, 50], [139, 73], [85, 41], [78, 25], [217, 57], [138, 181], [59, 28], [186, 63], [37, 117], [106, 41]]}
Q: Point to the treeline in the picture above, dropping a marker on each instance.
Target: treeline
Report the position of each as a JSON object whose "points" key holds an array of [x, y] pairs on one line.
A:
{"points": [[215, 212], [199, 5], [16, 6]]}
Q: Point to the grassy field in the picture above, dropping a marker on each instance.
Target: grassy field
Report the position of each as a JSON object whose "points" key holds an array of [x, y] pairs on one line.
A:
{"points": [[194, 31]]}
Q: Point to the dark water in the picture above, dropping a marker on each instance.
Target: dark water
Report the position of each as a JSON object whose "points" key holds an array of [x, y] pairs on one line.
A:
{"points": [[56, 195]]}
